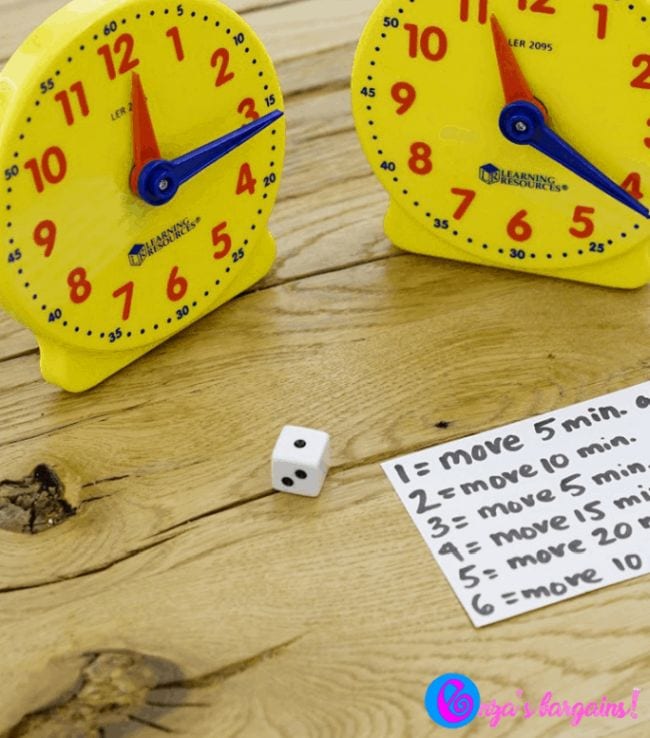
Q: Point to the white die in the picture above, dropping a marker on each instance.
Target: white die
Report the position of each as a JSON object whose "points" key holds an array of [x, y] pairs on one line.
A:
{"points": [[300, 461]]}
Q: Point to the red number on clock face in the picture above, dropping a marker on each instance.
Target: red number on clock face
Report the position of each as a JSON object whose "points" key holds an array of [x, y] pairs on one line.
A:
{"points": [[220, 61], [45, 236], [646, 141], [581, 216], [53, 167], [420, 161], [177, 286], [538, 6], [221, 238], [603, 16], [468, 198], [424, 42], [519, 229], [126, 291], [642, 81], [63, 97], [482, 10], [123, 45], [247, 108], [632, 183], [404, 95], [175, 36], [246, 182], [80, 287]]}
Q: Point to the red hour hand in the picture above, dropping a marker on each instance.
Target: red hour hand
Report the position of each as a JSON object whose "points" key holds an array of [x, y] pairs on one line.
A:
{"points": [[515, 85], [145, 145]]}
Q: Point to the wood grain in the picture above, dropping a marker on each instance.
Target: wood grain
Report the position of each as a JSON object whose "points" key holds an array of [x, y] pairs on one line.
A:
{"points": [[184, 595]]}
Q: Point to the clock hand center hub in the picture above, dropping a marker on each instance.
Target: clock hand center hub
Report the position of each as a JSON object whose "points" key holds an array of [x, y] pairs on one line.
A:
{"points": [[157, 184], [520, 122]]}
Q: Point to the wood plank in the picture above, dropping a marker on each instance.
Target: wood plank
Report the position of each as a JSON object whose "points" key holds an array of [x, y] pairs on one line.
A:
{"points": [[184, 595], [300, 618], [312, 354]]}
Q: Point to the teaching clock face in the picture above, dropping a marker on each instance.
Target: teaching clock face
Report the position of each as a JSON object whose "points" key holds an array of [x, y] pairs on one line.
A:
{"points": [[514, 133], [141, 156]]}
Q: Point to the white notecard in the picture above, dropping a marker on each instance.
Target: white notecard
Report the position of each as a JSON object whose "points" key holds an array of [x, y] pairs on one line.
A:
{"points": [[538, 511]]}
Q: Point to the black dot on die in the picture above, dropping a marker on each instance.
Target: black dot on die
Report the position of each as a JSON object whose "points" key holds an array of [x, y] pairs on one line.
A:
{"points": [[300, 443], [301, 474], [287, 481]]}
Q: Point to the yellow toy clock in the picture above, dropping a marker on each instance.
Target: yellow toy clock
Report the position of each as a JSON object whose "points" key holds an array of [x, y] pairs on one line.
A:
{"points": [[142, 144], [513, 133]]}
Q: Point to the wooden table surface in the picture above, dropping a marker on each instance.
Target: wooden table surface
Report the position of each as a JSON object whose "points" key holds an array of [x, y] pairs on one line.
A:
{"points": [[184, 595]]}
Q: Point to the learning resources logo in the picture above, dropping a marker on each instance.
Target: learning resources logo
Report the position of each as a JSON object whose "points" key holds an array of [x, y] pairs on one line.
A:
{"points": [[453, 701], [491, 174], [142, 251]]}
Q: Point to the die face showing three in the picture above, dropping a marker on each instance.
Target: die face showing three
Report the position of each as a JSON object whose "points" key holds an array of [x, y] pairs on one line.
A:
{"points": [[300, 461]]}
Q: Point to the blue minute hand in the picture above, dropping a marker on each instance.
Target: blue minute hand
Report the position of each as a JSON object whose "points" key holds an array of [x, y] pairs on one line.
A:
{"points": [[160, 179], [523, 123]]}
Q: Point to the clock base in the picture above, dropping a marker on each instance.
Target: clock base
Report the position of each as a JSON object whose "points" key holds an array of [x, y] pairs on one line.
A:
{"points": [[631, 270], [76, 370]]}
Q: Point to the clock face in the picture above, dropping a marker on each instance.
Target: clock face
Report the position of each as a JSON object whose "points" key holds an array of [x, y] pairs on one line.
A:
{"points": [[428, 96], [86, 261]]}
